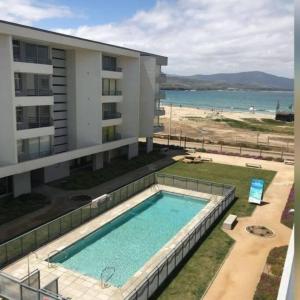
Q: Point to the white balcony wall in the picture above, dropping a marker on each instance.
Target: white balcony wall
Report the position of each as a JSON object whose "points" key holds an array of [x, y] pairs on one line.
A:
{"points": [[22, 67], [111, 99], [112, 74], [33, 100], [111, 122], [34, 132]]}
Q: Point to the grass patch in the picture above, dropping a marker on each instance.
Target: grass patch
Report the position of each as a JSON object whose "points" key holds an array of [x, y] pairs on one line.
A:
{"points": [[260, 126], [287, 218], [192, 280], [267, 288], [12, 208], [240, 177], [87, 179]]}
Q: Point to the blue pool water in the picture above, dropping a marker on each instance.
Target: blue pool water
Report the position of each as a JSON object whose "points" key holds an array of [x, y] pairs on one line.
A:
{"points": [[127, 242]]}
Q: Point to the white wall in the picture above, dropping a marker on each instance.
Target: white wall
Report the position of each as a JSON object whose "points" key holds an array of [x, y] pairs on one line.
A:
{"points": [[130, 86], [8, 153], [84, 98], [148, 71]]}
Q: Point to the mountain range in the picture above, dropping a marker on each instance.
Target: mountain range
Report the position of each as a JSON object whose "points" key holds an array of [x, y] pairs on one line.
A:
{"points": [[254, 80]]}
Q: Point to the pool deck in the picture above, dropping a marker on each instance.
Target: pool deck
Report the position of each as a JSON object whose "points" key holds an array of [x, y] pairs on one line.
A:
{"points": [[241, 270], [78, 286]]}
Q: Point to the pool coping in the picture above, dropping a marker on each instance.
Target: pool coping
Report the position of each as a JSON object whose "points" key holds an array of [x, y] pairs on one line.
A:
{"points": [[72, 283]]}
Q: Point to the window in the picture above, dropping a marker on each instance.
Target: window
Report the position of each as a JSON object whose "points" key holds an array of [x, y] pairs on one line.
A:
{"points": [[17, 50], [31, 53], [19, 114], [18, 82], [109, 63], [34, 148], [45, 145], [42, 54], [109, 87]]}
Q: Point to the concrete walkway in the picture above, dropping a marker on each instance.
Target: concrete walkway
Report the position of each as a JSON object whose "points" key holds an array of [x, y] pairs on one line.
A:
{"points": [[61, 202], [241, 271]]}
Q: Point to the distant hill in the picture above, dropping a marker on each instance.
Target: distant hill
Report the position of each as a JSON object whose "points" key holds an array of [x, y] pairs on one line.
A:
{"points": [[245, 80]]}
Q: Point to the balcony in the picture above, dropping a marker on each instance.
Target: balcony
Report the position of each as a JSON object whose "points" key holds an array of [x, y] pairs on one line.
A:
{"points": [[112, 69], [163, 78], [32, 123], [108, 115], [160, 111], [34, 60], [111, 93], [115, 137], [33, 92], [30, 53], [30, 156], [160, 95]]}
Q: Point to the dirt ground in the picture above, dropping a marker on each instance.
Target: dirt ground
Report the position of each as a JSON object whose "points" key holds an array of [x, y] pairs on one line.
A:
{"points": [[198, 124]]}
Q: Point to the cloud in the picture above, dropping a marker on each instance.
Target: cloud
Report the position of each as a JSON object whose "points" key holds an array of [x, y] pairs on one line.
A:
{"points": [[208, 36], [198, 36], [30, 11]]}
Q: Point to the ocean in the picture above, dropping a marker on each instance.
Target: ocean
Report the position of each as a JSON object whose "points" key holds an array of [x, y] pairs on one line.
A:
{"points": [[233, 100]]}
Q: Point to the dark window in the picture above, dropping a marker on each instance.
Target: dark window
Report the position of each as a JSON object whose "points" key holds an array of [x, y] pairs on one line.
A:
{"points": [[16, 50], [31, 53], [109, 63]]}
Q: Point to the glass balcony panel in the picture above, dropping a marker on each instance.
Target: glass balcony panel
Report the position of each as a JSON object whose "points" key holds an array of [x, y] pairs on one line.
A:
{"points": [[107, 115], [31, 53]]}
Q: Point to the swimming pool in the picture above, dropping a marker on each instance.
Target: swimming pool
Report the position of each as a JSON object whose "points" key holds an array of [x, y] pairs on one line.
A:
{"points": [[129, 241]]}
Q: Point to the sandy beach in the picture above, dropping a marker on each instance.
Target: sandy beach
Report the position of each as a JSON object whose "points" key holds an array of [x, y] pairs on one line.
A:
{"points": [[179, 113], [198, 123]]}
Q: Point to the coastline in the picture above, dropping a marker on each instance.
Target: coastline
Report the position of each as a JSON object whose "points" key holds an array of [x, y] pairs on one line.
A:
{"points": [[180, 112]]}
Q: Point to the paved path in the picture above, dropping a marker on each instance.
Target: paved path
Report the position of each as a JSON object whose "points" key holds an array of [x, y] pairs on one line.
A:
{"points": [[241, 271], [61, 202]]}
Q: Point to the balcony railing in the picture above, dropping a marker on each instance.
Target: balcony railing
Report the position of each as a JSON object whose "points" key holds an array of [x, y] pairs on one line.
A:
{"points": [[33, 60], [161, 95], [113, 138], [30, 124], [34, 92], [160, 111], [111, 93], [162, 78], [113, 69], [30, 156], [107, 115]]}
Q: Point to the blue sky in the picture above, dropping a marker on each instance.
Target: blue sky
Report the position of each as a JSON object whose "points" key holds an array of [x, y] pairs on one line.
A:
{"points": [[198, 36], [93, 12]]}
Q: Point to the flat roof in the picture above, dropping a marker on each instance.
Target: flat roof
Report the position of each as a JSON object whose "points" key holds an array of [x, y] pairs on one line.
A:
{"points": [[81, 39]]}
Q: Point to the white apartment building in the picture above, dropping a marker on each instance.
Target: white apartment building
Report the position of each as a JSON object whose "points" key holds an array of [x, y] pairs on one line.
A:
{"points": [[66, 101]]}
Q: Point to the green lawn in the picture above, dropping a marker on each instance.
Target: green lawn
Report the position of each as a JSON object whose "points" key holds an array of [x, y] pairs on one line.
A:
{"points": [[265, 125], [194, 277], [87, 178], [12, 208]]}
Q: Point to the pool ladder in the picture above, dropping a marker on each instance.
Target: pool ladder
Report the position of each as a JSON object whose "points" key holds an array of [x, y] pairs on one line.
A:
{"points": [[104, 281]]}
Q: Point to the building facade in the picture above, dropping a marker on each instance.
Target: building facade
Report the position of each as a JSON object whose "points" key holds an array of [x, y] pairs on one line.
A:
{"points": [[67, 101]]}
